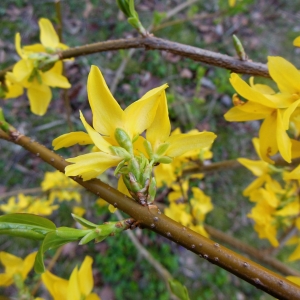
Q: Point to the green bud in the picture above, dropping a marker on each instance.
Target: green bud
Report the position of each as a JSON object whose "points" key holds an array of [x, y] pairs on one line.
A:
{"points": [[134, 168], [164, 160], [148, 148], [124, 140], [162, 149], [151, 191], [119, 167], [239, 48], [121, 152], [124, 7]]}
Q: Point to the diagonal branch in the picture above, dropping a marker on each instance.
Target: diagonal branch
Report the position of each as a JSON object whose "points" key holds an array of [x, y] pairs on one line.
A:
{"points": [[153, 219], [153, 43]]}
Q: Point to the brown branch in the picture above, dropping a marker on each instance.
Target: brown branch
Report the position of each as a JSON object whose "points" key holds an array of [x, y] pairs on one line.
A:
{"points": [[154, 43], [256, 254], [153, 219]]}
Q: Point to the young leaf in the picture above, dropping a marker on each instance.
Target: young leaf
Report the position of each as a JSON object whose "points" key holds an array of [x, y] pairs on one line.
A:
{"points": [[25, 225], [179, 290], [52, 240], [84, 222]]}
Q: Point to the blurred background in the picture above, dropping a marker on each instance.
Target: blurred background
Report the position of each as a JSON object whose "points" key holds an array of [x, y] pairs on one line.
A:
{"points": [[198, 96]]}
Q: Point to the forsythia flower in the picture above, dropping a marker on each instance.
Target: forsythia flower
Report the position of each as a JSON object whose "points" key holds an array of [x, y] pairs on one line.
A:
{"points": [[108, 119], [117, 136], [60, 187], [78, 287], [15, 266], [168, 173], [190, 213], [274, 108], [37, 70], [29, 204]]}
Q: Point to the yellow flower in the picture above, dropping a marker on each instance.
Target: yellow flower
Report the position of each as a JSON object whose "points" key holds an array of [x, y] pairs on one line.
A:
{"points": [[14, 265], [29, 204], [274, 109], [179, 213], [78, 287], [201, 204], [264, 221], [166, 145], [60, 187], [49, 39], [29, 72], [109, 122]]}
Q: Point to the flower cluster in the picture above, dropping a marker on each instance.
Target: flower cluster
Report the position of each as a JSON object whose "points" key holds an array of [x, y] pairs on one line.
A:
{"points": [[29, 204], [276, 201], [279, 111], [117, 136], [37, 71]]}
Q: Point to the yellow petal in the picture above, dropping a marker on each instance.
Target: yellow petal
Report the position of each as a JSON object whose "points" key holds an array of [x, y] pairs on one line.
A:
{"points": [[235, 114], [249, 93], [296, 41], [6, 279], [97, 139], [51, 78], [160, 128], [283, 140], [295, 148], [182, 143], [295, 255], [39, 98], [284, 74], [70, 139], [254, 185], [267, 141], [258, 168], [85, 276], [22, 70], [91, 165], [140, 114], [92, 296], [28, 264], [295, 174], [73, 287], [35, 48], [18, 44], [48, 36], [122, 187], [294, 279], [107, 113], [56, 286], [287, 114], [58, 67], [10, 261]]}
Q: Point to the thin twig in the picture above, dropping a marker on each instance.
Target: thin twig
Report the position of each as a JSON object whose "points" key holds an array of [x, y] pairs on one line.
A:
{"points": [[23, 191], [152, 43]]}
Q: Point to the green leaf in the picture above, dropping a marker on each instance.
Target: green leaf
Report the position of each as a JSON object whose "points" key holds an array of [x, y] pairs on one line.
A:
{"points": [[25, 225], [178, 289], [84, 222], [88, 237], [52, 240]]}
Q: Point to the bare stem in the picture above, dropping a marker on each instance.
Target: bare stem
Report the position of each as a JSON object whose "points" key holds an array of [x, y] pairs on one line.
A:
{"points": [[153, 219], [154, 43]]}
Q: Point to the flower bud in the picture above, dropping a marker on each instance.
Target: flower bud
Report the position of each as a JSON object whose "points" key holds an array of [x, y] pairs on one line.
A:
{"points": [[124, 140]]}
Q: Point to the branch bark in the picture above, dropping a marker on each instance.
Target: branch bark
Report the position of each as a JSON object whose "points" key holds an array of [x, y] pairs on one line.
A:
{"points": [[154, 220], [153, 43]]}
